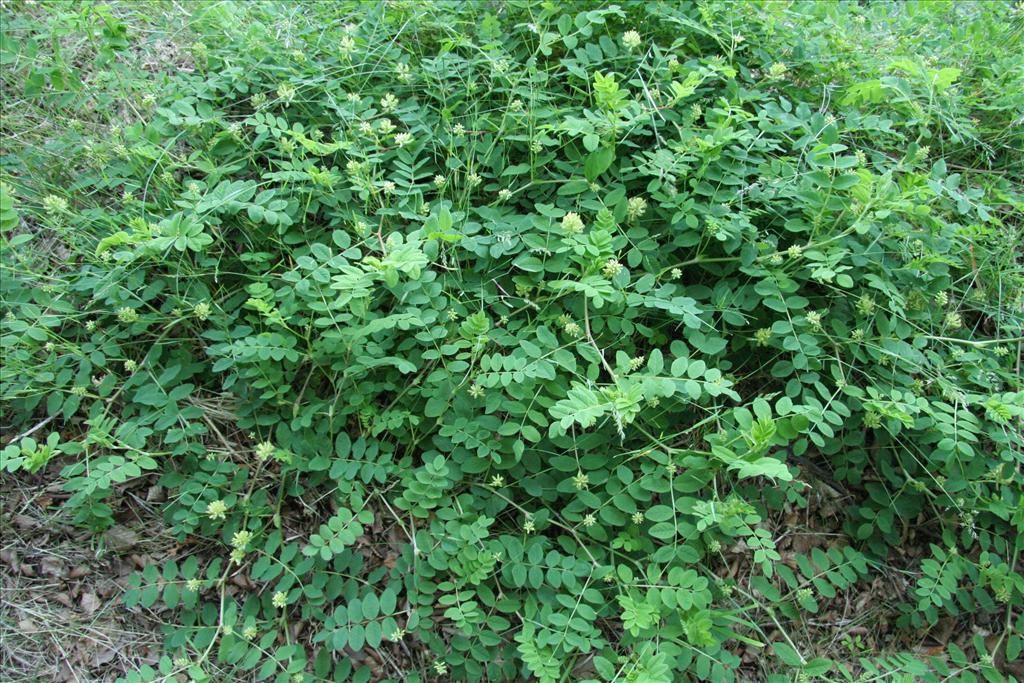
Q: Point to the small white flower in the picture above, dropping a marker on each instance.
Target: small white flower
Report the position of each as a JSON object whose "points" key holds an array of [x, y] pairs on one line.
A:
{"points": [[632, 40], [814, 320], [216, 509], [572, 223], [201, 310], [286, 93], [265, 450], [54, 204], [241, 539], [636, 207]]}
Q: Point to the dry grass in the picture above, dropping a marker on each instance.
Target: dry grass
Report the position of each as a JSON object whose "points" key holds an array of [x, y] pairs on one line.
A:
{"points": [[61, 615]]}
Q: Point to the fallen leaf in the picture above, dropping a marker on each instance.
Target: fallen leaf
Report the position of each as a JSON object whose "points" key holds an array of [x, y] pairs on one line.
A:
{"points": [[25, 522], [10, 557], [53, 566], [90, 602], [65, 673], [100, 655], [120, 539]]}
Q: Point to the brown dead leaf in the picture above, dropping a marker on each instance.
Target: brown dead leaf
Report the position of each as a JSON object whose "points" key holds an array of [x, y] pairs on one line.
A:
{"points": [[53, 566], [25, 522], [10, 557], [90, 603], [65, 673], [120, 539], [802, 543], [98, 655]]}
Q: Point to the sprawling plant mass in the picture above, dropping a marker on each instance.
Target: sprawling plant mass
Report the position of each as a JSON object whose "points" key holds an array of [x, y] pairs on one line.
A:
{"points": [[646, 342]]}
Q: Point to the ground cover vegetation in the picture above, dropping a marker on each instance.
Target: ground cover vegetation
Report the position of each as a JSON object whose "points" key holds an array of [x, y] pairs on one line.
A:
{"points": [[519, 339]]}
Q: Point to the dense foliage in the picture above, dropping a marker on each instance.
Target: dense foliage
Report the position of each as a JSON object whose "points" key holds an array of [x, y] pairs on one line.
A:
{"points": [[522, 338]]}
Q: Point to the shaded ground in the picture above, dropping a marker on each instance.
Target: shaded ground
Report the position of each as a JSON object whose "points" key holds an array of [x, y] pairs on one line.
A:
{"points": [[61, 615]]}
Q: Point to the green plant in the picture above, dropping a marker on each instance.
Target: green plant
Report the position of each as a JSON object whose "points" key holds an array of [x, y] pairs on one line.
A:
{"points": [[511, 339]]}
